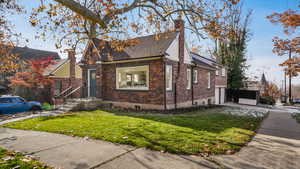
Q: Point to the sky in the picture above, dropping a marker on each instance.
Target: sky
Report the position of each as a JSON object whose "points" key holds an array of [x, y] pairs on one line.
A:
{"points": [[261, 59]]}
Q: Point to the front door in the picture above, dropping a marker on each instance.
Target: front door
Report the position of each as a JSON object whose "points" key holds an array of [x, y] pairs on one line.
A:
{"points": [[92, 83]]}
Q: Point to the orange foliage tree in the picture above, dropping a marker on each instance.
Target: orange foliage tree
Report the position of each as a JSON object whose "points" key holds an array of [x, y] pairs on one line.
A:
{"points": [[34, 78], [73, 22], [9, 62], [290, 21], [271, 90]]}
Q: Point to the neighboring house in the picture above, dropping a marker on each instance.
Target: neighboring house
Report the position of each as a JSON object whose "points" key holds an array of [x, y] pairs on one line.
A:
{"points": [[24, 54], [156, 73], [66, 75], [252, 90]]}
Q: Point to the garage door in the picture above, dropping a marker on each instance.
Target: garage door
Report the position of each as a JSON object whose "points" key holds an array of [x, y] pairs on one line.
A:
{"points": [[222, 95], [217, 95]]}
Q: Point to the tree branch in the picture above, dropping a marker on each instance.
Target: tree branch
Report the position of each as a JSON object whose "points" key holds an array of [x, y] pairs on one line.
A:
{"points": [[83, 11]]}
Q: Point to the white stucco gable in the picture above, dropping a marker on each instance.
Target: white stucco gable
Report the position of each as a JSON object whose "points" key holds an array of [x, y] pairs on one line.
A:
{"points": [[172, 51], [187, 57]]}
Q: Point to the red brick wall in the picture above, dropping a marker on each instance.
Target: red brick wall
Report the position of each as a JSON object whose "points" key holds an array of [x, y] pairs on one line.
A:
{"points": [[221, 80], [200, 89], [155, 94], [66, 84]]}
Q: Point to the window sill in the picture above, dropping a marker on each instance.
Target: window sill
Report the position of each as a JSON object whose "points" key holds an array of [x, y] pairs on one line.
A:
{"points": [[133, 89]]}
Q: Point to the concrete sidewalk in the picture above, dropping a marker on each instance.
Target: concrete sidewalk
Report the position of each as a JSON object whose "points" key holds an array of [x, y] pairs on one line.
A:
{"points": [[276, 145], [68, 152]]}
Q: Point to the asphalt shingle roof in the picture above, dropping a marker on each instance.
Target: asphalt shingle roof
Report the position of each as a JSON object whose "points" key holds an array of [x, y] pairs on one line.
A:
{"points": [[26, 53], [146, 46], [201, 60]]}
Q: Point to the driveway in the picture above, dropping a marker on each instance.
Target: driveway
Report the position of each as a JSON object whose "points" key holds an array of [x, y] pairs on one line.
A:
{"points": [[277, 145]]}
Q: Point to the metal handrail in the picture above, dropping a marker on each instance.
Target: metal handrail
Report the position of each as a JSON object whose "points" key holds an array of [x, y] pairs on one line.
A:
{"points": [[63, 92], [73, 91]]}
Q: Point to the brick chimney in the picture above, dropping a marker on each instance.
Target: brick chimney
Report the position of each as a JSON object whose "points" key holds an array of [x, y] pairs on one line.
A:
{"points": [[72, 59], [179, 26]]}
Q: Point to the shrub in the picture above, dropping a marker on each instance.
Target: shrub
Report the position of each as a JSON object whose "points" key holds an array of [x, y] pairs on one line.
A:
{"points": [[47, 106], [267, 100]]}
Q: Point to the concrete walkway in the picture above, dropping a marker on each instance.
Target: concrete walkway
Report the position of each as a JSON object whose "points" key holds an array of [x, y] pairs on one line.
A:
{"points": [[277, 145], [67, 152]]}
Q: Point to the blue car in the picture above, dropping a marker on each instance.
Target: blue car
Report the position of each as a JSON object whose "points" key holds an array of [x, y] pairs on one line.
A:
{"points": [[15, 104]]}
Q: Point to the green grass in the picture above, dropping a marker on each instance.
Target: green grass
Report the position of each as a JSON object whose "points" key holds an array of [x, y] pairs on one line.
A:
{"points": [[192, 133], [18, 161], [297, 117]]}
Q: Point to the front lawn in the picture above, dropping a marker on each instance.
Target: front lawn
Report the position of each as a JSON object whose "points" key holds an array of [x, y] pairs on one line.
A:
{"points": [[297, 117], [193, 133], [12, 160]]}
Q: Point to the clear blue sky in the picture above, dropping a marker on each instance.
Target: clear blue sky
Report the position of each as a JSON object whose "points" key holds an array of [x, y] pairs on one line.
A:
{"points": [[261, 59]]}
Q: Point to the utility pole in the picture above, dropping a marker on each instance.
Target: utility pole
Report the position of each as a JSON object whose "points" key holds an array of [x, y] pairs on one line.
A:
{"points": [[290, 78], [285, 96]]}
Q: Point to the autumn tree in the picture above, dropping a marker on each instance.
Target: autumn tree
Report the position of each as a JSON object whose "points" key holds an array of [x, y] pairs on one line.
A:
{"points": [[9, 61], [270, 93], [73, 22], [34, 77], [290, 21], [230, 48]]}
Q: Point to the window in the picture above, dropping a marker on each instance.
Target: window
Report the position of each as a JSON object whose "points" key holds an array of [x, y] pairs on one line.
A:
{"points": [[195, 76], [217, 72], [135, 78], [5, 100], [223, 71], [208, 80], [57, 87], [17, 100], [188, 78], [169, 73]]}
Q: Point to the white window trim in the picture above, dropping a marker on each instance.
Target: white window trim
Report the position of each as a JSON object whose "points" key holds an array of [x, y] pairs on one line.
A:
{"points": [[188, 78], [208, 80], [217, 72], [223, 71], [171, 79], [195, 76], [89, 82], [146, 67]]}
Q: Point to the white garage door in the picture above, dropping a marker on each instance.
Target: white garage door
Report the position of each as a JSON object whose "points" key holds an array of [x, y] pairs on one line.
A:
{"points": [[217, 95], [222, 95]]}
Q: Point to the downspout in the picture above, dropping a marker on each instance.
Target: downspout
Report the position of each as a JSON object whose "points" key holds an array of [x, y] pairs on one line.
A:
{"points": [[192, 85], [165, 91]]}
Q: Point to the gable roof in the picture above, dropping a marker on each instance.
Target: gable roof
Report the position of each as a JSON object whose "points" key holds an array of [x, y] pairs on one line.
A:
{"points": [[26, 53], [146, 46], [53, 67], [203, 61]]}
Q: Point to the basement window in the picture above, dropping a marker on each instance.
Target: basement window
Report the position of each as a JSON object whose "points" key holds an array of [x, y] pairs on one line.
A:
{"points": [[132, 78]]}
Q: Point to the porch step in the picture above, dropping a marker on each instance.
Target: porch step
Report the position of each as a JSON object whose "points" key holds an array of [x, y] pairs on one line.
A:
{"points": [[81, 104]]}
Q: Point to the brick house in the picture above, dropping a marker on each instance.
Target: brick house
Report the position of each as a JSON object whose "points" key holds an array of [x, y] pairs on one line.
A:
{"points": [[67, 79], [156, 73], [220, 77], [221, 85], [65, 73]]}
